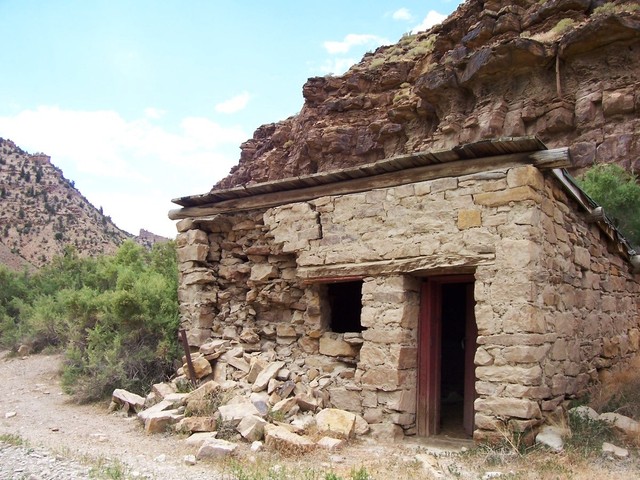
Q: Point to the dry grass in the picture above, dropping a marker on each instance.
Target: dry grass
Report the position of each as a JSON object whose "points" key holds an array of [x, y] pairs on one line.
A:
{"points": [[619, 392]]}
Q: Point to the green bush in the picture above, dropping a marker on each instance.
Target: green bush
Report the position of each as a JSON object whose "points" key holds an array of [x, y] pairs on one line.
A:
{"points": [[619, 194], [115, 317]]}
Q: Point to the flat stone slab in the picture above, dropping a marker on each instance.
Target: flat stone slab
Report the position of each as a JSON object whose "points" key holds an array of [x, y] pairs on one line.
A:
{"points": [[236, 412], [332, 420], [282, 440], [121, 397], [215, 448], [198, 439]]}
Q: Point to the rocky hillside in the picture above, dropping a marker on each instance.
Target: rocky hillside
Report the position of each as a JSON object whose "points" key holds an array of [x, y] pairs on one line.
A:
{"points": [[41, 212], [565, 70]]}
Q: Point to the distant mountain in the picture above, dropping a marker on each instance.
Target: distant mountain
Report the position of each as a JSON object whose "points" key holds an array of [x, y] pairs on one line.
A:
{"points": [[41, 212]]}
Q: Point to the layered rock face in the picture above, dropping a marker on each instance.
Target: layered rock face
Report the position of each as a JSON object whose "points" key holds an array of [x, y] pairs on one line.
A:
{"points": [[564, 70]]}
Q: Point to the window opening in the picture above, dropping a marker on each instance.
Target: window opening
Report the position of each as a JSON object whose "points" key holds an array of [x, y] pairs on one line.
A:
{"points": [[345, 304]]}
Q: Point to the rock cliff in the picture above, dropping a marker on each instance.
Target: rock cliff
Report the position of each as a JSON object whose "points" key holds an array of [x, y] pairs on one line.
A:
{"points": [[42, 212], [564, 70]]}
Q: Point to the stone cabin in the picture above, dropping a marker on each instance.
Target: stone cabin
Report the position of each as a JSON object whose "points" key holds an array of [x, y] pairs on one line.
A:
{"points": [[451, 291]]}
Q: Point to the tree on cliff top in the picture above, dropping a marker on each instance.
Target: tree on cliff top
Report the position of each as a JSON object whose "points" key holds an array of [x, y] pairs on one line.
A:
{"points": [[618, 192]]}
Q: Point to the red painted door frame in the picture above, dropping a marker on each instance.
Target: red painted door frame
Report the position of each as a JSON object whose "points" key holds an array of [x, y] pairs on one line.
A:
{"points": [[429, 354]]}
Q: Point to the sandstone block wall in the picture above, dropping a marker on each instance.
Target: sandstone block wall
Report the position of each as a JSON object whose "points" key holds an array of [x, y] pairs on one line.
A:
{"points": [[552, 304]]}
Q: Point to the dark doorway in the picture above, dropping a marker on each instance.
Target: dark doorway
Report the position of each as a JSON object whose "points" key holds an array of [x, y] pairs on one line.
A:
{"points": [[446, 373]]}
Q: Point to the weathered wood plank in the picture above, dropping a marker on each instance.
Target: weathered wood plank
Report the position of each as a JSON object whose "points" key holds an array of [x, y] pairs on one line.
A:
{"points": [[412, 265], [402, 177]]}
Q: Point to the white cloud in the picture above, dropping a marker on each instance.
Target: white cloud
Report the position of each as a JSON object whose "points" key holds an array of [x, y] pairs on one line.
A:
{"points": [[432, 18], [234, 104], [132, 168], [154, 113], [337, 66], [352, 40], [402, 14]]}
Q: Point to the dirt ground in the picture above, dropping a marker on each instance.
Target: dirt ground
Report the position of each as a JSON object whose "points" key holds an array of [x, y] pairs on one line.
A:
{"points": [[34, 408], [46, 417]]}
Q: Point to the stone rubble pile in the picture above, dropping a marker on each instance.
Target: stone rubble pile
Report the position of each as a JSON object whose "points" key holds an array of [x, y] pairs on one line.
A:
{"points": [[244, 394]]}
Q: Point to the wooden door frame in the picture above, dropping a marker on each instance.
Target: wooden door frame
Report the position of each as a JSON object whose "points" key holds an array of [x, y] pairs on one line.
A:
{"points": [[429, 354]]}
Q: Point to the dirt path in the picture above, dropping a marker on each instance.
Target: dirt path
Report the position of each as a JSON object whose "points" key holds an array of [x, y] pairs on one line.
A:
{"points": [[66, 441], [44, 417], [33, 408]]}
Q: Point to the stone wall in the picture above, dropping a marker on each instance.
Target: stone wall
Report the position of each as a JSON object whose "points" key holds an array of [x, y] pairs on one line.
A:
{"points": [[542, 276]]}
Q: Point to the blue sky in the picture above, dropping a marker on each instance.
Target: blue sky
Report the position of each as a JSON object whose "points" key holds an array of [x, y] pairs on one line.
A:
{"points": [[142, 101]]}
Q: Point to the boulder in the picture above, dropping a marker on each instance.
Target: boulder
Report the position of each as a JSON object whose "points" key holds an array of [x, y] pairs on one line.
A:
{"points": [[198, 439], [163, 389], [201, 366], [159, 422], [234, 413], [626, 425], [386, 432], [307, 402], [286, 406], [127, 400], [329, 443], [215, 448], [334, 346], [214, 347], [204, 390], [251, 428], [332, 420], [551, 437], [584, 412], [286, 442], [239, 363], [615, 450], [196, 424], [256, 365], [263, 378], [158, 407], [362, 426]]}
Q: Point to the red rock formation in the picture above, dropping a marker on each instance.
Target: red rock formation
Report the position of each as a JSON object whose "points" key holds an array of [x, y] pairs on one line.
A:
{"points": [[564, 70]]}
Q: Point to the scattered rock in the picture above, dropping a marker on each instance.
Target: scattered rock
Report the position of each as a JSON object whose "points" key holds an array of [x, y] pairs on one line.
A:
{"points": [[158, 422], [127, 400], [263, 378], [386, 432], [215, 448], [196, 424], [329, 443], [625, 425], [332, 420], [615, 450], [234, 413], [251, 428], [189, 460], [256, 446], [201, 366], [585, 411], [551, 437], [198, 439], [286, 442]]}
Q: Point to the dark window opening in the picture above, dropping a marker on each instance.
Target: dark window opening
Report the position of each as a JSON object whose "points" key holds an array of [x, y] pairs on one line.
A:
{"points": [[345, 302]]}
